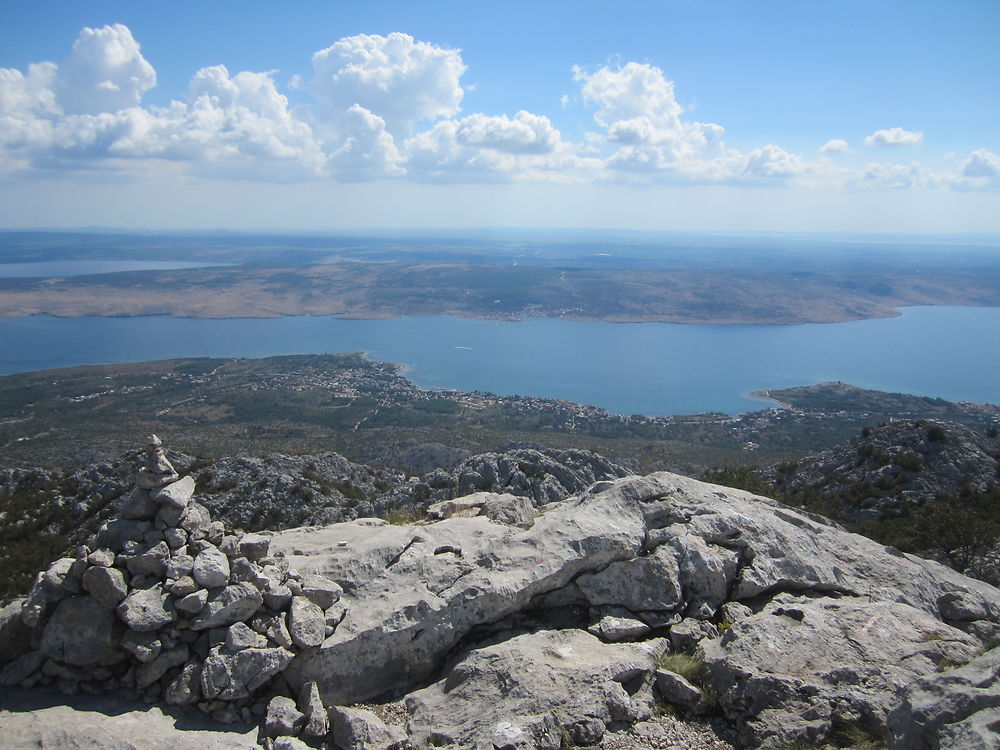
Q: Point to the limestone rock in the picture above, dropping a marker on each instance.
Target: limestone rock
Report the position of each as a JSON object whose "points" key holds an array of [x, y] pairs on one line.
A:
{"points": [[230, 676], [956, 710], [102, 557], [360, 729], [320, 590], [273, 626], [147, 610], [185, 689], [575, 687], [195, 518], [801, 666], [254, 546], [277, 597], [106, 585], [178, 566], [676, 690], [143, 646], [617, 625], [306, 623], [211, 568], [152, 671], [239, 636], [176, 494], [283, 718], [193, 603], [311, 705], [152, 562], [83, 633], [687, 634], [21, 668], [15, 636], [225, 606], [114, 534], [139, 506]]}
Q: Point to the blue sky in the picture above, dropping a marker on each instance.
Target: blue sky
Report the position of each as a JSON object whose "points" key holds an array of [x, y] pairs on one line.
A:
{"points": [[850, 116]]}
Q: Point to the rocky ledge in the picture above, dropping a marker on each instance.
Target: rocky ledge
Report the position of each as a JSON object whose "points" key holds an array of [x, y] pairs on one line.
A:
{"points": [[498, 625]]}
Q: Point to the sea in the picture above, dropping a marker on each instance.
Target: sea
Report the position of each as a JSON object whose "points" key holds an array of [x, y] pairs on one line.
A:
{"points": [[627, 368]]}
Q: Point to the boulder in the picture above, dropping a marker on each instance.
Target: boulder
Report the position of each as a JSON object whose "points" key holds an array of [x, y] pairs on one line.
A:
{"points": [[152, 671], [956, 710], [803, 666], [83, 633], [254, 546], [320, 590], [138, 506], [674, 689], [151, 563], [575, 687], [178, 566], [239, 636]]}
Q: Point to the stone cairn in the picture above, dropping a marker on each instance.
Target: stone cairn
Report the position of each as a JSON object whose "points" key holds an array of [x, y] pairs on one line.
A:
{"points": [[168, 606]]}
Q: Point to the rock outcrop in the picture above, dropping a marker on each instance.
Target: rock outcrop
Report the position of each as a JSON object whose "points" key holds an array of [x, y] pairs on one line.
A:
{"points": [[514, 621], [169, 605]]}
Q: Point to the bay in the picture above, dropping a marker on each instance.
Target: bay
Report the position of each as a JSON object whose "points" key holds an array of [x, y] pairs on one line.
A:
{"points": [[630, 368]]}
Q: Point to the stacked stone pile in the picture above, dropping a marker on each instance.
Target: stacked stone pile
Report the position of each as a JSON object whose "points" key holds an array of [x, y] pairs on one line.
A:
{"points": [[168, 605]]}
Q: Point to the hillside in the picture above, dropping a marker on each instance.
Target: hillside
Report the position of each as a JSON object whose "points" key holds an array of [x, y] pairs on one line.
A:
{"points": [[370, 413]]}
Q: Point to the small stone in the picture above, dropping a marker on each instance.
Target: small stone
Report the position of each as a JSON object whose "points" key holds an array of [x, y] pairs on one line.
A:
{"points": [[138, 506], [186, 687], [147, 610], [306, 624], [215, 531], [273, 627], [21, 668], [240, 636], [106, 585], [277, 597], [183, 586], [320, 590], [254, 546], [676, 690], [178, 566], [283, 718], [176, 538], [150, 563], [234, 603], [176, 494], [311, 704], [236, 675], [152, 671], [195, 518], [103, 558], [194, 603], [143, 646], [241, 569], [230, 545], [211, 568]]}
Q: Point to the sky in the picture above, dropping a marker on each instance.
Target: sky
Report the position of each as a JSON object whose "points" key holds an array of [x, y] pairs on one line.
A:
{"points": [[810, 115]]}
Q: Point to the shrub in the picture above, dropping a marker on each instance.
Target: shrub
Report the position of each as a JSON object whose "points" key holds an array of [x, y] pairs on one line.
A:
{"points": [[936, 434]]}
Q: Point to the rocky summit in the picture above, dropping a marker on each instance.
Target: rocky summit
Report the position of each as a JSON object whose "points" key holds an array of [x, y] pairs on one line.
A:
{"points": [[638, 612]]}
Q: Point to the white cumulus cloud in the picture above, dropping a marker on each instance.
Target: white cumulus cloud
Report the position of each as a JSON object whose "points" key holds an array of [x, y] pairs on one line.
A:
{"points": [[401, 80], [894, 137], [834, 146], [105, 72]]}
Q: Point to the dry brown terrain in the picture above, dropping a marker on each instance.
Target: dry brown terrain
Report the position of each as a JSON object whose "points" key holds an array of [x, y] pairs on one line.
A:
{"points": [[365, 290]]}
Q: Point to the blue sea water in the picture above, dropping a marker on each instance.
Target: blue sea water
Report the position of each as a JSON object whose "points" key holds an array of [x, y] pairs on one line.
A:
{"points": [[643, 368]]}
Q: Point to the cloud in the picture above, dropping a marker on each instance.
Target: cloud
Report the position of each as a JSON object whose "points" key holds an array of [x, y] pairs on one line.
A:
{"points": [[389, 108], [105, 72], [401, 80], [367, 151], [894, 137], [834, 146], [981, 164]]}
